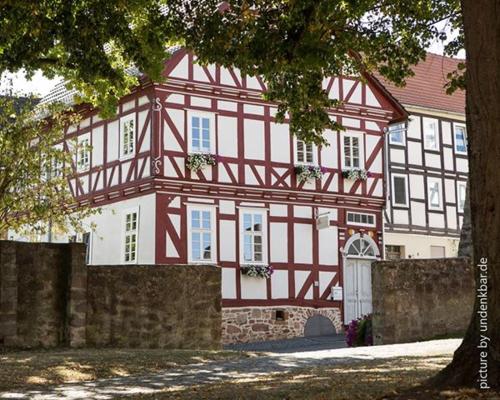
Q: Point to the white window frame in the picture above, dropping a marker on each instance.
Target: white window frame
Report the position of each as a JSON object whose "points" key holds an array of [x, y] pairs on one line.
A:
{"points": [[124, 120], [393, 191], [83, 150], [402, 129], [211, 119], [430, 183], [360, 223], [296, 153], [263, 214], [425, 121], [125, 233], [459, 186], [457, 125], [213, 233], [361, 142]]}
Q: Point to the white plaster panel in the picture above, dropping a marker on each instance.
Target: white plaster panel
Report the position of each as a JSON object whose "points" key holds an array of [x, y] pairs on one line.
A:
{"points": [[300, 278], [433, 160], [279, 284], [253, 109], [302, 211], [451, 215], [414, 153], [228, 244], [351, 122], [448, 159], [143, 100], [253, 83], [373, 126], [462, 165], [113, 138], [303, 243], [279, 242], [228, 105], [181, 69], [397, 156], [199, 74], [401, 217], [170, 141], [227, 207], [147, 136], [436, 220], [414, 130], [85, 123], [328, 246], [446, 129], [418, 214], [371, 100], [417, 190], [228, 136], [324, 279], [333, 212], [228, 277], [280, 143], [450, 190], [254, 139], [329, 153], [97, 145], [278, 210], [201, 102], [176, 98], [128, 105], [253, 288]]}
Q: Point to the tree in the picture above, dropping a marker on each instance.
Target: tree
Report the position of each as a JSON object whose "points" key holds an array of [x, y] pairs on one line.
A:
{"points": [[292, 44], [34, 191]]}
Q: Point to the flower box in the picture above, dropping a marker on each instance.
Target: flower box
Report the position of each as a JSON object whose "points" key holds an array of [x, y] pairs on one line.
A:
{"points": [[355, 174], [198, 161], [305, 173], [257, 271]]}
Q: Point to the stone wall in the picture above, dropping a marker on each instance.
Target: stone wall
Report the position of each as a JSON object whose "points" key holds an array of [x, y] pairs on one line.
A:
{"points": [[49, 297], [42, 294], [421, 299], [253, 324], [154, 306]]}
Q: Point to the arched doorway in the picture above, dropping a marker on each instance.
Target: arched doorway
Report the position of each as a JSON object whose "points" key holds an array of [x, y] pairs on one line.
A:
{"points": [[359, 253], [318, 325]]}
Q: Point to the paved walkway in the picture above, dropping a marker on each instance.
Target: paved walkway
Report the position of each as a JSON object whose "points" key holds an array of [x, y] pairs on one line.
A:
{"points": [[228, 370], [293, 345]]}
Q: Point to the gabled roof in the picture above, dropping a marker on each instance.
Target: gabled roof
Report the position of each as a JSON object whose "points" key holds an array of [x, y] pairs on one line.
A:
{"points": [[426, 88]]}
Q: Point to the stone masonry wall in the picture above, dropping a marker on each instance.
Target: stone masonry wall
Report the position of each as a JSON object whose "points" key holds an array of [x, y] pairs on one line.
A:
{"points": [[421, 299], [154, 306], [41, 289], [253, 324]]}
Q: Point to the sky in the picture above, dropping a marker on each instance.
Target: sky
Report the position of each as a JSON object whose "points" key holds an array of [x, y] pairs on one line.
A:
{"points": [[41, 86]]}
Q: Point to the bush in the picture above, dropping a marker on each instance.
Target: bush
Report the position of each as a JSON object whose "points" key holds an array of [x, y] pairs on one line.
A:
{"points": [[359, 332]]}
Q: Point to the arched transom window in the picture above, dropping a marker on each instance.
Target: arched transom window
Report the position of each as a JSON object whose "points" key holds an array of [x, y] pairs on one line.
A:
{"points": [[361, 248]]}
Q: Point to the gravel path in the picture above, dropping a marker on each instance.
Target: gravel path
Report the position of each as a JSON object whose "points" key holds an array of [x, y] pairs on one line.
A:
{"points": [[249, 368]]}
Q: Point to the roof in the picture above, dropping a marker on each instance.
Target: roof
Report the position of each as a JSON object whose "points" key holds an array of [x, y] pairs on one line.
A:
{"points": [[427, 87]]}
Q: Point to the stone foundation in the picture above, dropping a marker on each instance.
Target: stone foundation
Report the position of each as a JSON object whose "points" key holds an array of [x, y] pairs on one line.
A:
{"points": [[254, 324]]}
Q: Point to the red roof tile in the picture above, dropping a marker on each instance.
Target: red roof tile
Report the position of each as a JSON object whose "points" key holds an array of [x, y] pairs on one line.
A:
{"points": [[426, 87]]}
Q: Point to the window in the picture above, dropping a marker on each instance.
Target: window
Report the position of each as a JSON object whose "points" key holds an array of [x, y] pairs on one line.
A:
{"points": [[461, 189], [397, 134], [438, 252], [130, 240], [460, 139], [201, 133], [253, 237], [431, 140], [83, 154], [352, 156], [127, 136], [360, 219], [394, 252], [201, 234], [304, 152], [434, 192], [399, 190]]}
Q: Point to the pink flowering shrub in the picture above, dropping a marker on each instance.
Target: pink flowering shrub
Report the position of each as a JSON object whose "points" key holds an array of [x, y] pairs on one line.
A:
{"points": [[359, 332]]}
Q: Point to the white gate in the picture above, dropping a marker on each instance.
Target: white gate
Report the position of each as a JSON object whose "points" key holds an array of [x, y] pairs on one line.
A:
{"points": [[359, 254]]}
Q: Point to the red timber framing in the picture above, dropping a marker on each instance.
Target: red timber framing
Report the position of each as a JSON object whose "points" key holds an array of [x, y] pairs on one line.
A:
{"points": [[251, 168]]}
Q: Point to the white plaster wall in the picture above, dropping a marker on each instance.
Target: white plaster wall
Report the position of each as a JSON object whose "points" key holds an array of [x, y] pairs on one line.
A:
{"points": [[279, 284], [113, 139], [228, 277], [280, 143], [419, 246], [97, 146], [253, 288], [279, 242], [227, 136], [254, 139], [328, 245], [303, 243], [228, 244]]}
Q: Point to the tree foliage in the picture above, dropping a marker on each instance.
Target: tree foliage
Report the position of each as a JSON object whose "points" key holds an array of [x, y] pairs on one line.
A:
{"points": [[292, 44], [34, 169]]}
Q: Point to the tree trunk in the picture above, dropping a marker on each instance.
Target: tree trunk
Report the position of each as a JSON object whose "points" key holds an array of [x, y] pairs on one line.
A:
{"points": [[482, 43]]}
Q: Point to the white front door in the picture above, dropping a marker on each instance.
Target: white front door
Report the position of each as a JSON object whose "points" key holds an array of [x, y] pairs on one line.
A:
{"points": [[358, 288]]}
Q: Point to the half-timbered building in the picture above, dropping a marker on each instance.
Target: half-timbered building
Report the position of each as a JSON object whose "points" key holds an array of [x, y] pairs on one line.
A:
{"points": [[426, 165], [197, 170]]}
